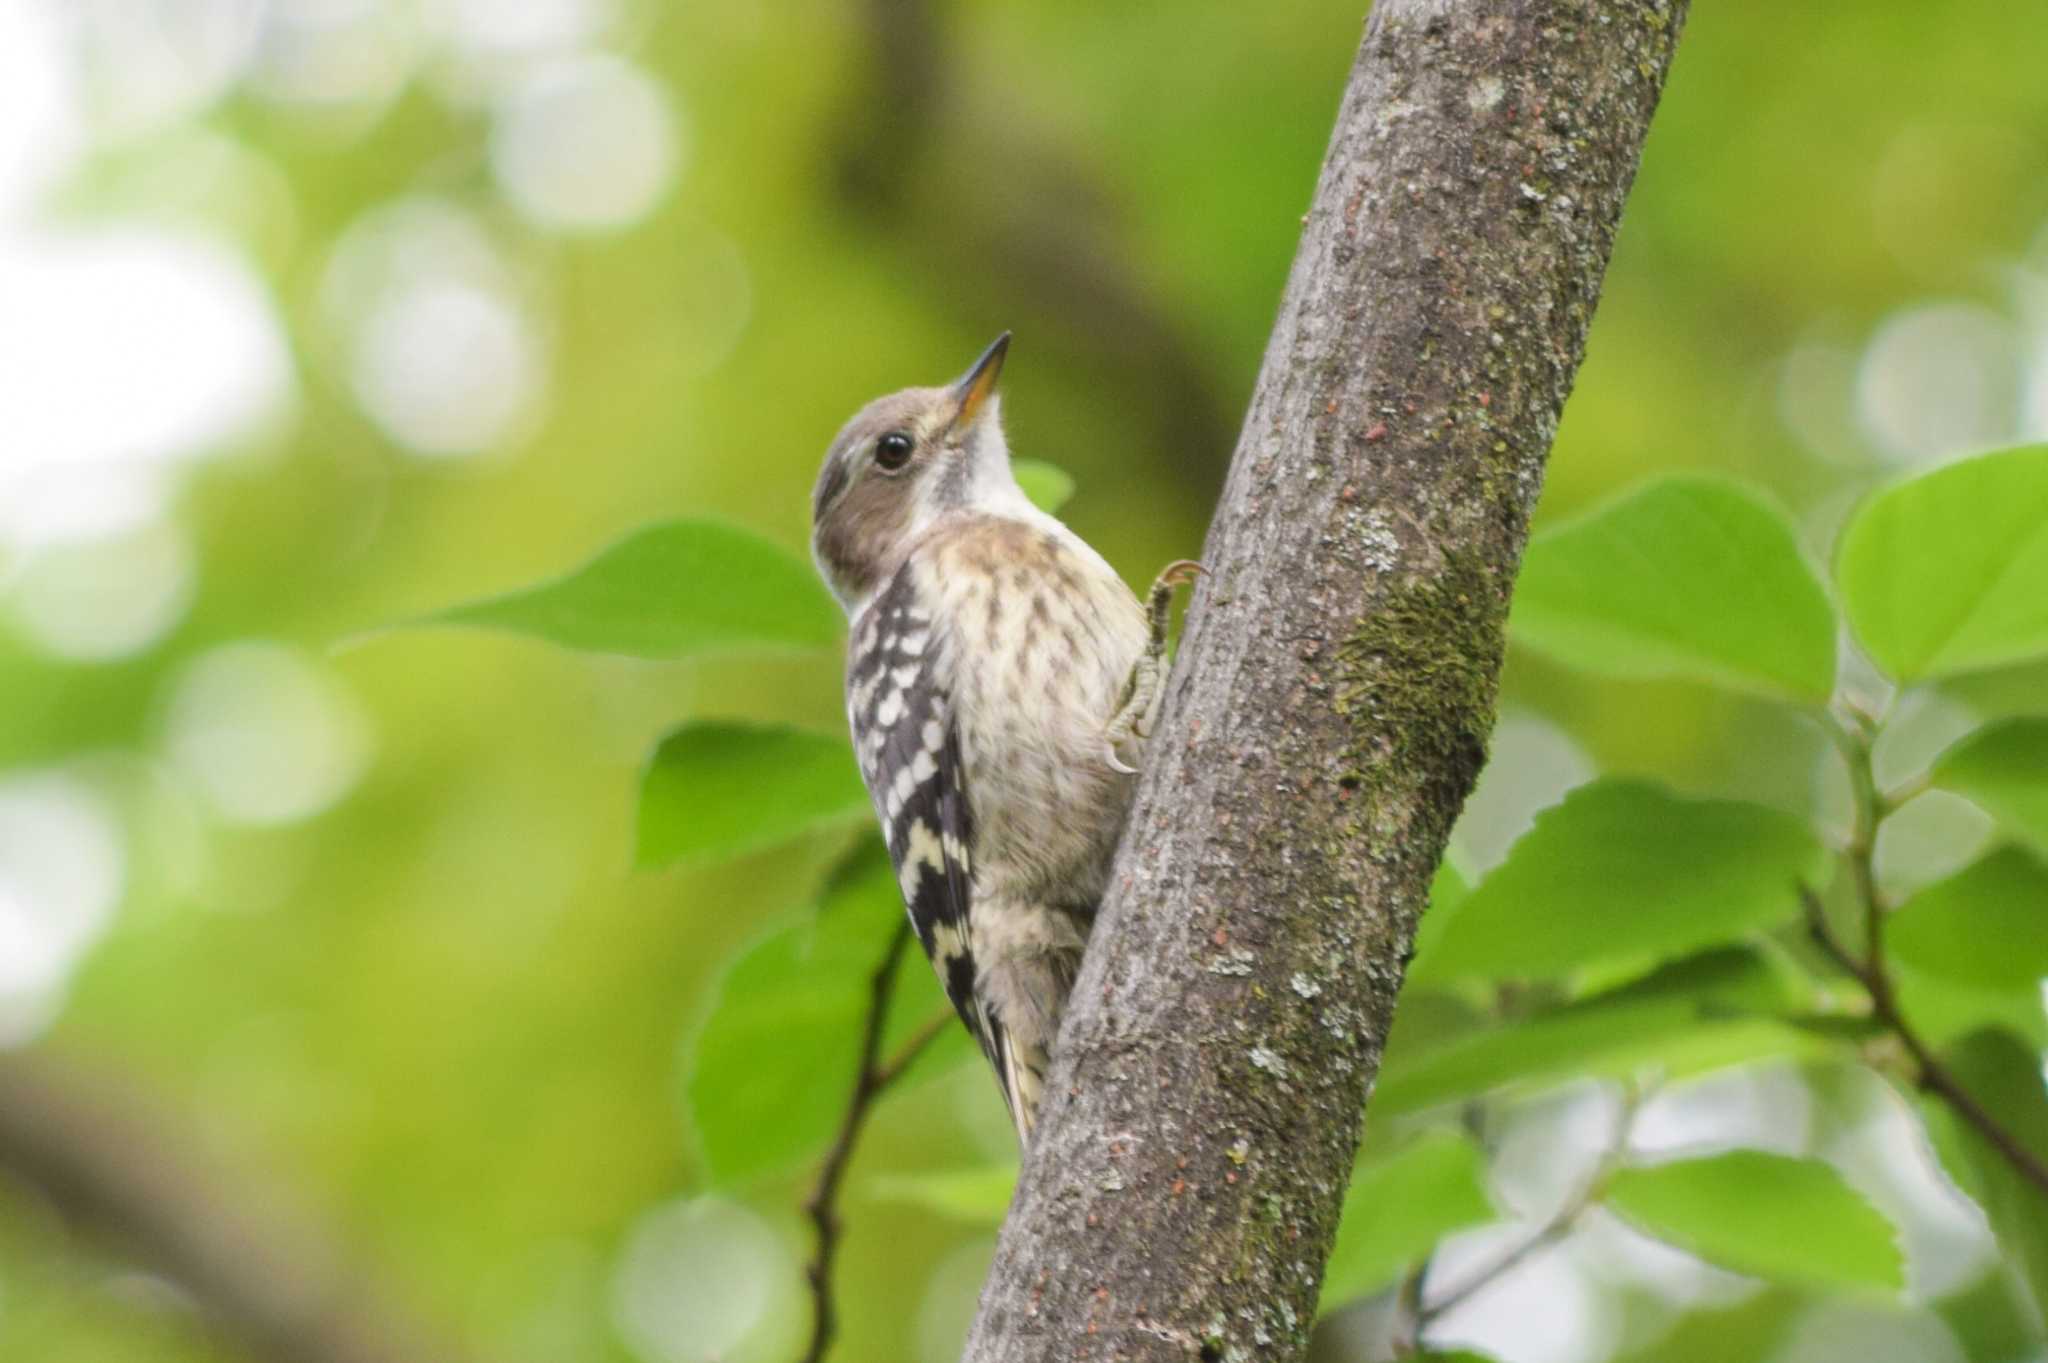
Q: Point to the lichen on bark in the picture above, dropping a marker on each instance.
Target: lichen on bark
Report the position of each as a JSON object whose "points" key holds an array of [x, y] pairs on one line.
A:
{"points": [[1416, 681]]}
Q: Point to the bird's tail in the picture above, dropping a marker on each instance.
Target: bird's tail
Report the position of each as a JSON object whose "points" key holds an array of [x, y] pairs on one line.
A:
{"points": [[1024, 992]]}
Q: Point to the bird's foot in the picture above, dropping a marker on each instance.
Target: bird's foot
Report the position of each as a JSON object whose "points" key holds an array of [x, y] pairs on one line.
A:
{"points": [[1146, 687]]}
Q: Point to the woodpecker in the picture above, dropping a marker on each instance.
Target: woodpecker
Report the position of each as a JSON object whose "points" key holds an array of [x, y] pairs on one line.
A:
{"points": [[1000, 682]]}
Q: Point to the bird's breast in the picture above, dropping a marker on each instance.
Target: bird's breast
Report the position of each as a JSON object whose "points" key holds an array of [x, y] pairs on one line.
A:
{"points": [[1040, 639]]}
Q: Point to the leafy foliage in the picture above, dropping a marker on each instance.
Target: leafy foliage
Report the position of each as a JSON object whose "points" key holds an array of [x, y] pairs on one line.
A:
{"points": [[2000, 767], [1648, 930], [768, 1074], [1793, 1220], [2004, 1073], [1722, 1008], [720, 790], [673, 590], [1947, 572], [976, 1196], [442, 1006], [1986, 926], [1398, 1206], [1619, 871], [1685, 577]]}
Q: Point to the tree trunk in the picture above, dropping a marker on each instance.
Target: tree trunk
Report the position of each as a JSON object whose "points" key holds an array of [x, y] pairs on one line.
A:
{"points": [[1334, 693]]}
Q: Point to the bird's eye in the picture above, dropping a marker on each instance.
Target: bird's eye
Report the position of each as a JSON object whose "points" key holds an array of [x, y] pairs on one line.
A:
{"points": [[892, 451]]}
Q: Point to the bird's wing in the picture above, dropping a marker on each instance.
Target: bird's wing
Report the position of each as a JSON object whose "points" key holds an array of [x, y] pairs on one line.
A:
{"points": [[904, 731]]}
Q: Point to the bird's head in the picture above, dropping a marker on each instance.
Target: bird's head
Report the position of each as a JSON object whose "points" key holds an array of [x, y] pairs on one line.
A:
{"points": [[902, 462]]}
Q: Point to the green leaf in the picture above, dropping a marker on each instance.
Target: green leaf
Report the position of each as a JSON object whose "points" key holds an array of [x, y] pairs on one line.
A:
{"points": [[1990, 1318], [1047, 485], [1703, 1013], [1985, 926], [770, 1069], [672, 590], [1947, 572], [1790, 1220], [1685, 576], [1754, 1328], [1622, 870], [979, 1197], [2003, 1074], [1398, 1207], [2003, 769], [715, 789]]}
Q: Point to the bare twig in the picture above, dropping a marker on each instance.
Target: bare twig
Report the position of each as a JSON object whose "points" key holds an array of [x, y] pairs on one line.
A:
{"points": [[875, 1075], [1407, 1332], [1852, 733], [1561, 1223], [121, 1169], [1933, 1077]]}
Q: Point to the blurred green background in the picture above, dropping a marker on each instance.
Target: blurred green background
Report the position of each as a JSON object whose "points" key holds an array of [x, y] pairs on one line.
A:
{"points": [[318, 314]]}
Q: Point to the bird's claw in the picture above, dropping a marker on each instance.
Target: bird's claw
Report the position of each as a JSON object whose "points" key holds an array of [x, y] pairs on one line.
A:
{"points": [[1142, 693]]}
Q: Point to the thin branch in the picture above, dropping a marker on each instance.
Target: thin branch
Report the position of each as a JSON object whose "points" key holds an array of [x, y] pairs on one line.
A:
{"points": [[1854, 735], [1934, 1077], [1407, 1331], [1561, 1223], [1899, 796], [125, 1171], [906, 1055], [870, 1082], [1553, 1231]]}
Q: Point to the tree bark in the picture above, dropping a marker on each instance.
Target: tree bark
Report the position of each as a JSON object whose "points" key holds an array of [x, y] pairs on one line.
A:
{"points": [[1335, 689]]}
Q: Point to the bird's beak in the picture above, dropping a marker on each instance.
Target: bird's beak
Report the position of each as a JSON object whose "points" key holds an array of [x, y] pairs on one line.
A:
{"points": [[976, 384]]}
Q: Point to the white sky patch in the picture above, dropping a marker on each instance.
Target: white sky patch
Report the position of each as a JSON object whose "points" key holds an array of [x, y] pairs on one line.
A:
{"points": [[147, 65], [1764, 1107], [99, 600], [267, 736], [39, 117], [447, 369], [1531, 765], [492, 26], [706, 1280], [586, 143], [1887, 1156], [1938, 380], [436, 339], [1546, 1309], [338, 56], [61, 872], [124, 350]]}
